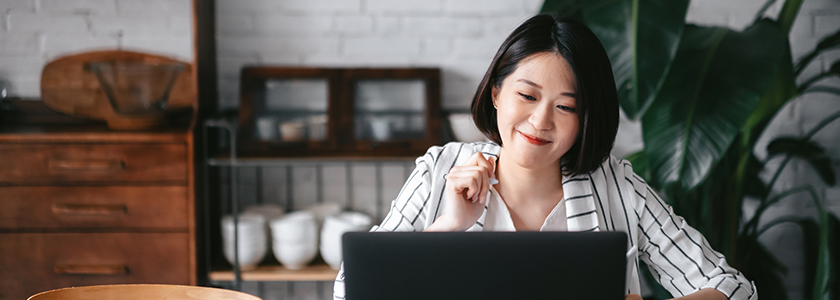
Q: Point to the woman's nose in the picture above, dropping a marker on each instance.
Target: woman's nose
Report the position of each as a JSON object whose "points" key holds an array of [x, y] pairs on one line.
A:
{"points": [[541, 118]]}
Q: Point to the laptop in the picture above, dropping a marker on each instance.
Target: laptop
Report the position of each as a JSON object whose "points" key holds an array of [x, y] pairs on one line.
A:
{"points": [[484, 265]]}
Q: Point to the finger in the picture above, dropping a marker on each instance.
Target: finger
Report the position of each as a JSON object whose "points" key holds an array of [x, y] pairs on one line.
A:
{"points": [[467, 181]]}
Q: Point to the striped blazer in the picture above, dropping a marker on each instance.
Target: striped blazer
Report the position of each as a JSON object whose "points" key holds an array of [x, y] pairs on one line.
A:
{"points": [[612, 198]]}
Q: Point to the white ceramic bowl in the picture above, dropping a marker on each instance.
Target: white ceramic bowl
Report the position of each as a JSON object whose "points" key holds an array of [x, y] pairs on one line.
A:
{"points": [[321, 211], [294, 256], [297, 227], [334, 228], [464, 128], [252, 243]]}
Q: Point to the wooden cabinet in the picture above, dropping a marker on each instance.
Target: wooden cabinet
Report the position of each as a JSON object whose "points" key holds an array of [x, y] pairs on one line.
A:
{"points": [[345, 112], [84, 205]]}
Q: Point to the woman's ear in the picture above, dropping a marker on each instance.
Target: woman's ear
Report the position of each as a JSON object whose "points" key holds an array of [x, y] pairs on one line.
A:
{"points": [[494, 94]]}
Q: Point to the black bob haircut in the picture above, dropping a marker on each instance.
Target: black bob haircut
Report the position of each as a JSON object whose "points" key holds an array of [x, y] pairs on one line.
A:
{"points": [[597, 101]]}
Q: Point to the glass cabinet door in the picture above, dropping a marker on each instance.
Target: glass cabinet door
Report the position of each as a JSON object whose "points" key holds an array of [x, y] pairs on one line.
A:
{"points": [[295, 110], [389, 109]]}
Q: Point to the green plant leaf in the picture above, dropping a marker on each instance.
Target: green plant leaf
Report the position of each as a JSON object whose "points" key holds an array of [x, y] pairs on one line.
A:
{"points": [[808, 150], [788, 14], [639, 163], [714, 85], [830, 42], [781, 90], [640, 37], [762, 267]]}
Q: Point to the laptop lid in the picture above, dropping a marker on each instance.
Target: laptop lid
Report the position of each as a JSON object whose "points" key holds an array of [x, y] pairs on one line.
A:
{"points": [[484, 265]]}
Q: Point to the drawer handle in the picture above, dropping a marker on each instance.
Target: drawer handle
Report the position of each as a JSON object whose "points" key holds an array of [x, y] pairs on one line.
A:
{"points": [[91, 269], [89, 209], [87, 165]]}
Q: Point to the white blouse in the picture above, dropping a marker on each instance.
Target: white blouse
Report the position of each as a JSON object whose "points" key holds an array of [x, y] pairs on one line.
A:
{"points": [[612, 198]]}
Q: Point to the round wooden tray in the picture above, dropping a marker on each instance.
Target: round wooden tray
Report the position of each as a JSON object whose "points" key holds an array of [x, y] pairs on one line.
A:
{"points": [[68, 86]]}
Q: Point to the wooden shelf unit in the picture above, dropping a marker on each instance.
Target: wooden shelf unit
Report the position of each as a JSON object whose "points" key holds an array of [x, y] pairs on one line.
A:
{"points": [[315, 272]]}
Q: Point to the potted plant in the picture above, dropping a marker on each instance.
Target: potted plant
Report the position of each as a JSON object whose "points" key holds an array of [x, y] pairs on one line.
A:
{"points": [[704, 95]]}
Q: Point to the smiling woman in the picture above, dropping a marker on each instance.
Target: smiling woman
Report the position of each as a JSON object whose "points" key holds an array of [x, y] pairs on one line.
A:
{"points": [[548, 104]]}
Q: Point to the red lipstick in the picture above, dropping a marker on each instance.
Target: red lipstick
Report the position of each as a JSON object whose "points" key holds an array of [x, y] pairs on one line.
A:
{"points": [[535, 140]]}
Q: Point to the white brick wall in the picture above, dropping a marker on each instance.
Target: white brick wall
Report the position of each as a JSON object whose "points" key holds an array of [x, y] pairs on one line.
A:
{"points": [[34, 32]]}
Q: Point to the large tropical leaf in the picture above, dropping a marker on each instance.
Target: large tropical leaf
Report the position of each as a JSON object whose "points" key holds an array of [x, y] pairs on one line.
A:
{"points": [[640, 37], [716, 81]]}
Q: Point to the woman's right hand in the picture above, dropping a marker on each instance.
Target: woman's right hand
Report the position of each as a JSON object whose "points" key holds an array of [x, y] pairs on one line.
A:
{"points": [[467, 187]]}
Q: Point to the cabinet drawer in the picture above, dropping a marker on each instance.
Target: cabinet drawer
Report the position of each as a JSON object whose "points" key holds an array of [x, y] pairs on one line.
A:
{"points": [[92, 163], [36, 262], [94, 207]]}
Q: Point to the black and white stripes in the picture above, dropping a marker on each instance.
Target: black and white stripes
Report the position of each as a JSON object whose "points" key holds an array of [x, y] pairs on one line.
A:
{"points": [[611, 198]]}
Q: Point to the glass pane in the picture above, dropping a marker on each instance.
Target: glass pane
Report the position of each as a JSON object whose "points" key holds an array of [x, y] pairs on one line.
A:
{"points": [[295, 110], [390, 109]]}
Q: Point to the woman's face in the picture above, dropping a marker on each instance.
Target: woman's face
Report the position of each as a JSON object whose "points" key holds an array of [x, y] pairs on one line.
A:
{"points": [[536, 111]]}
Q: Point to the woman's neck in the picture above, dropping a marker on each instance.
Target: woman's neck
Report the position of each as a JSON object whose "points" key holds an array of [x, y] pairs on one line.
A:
{"points": [[518, 183]]}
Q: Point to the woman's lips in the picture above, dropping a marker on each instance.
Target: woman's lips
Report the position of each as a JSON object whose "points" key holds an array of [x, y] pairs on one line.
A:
{"points": [[534, 140]]}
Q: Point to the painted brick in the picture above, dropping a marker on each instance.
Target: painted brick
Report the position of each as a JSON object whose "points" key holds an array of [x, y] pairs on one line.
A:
{"points": [[405, 6], [229, 7], [79, 7], [364, 190], [802, 39], [355, 25], [275, 290], [532, 7], [436, 47], [19, 44], [230, 67], [293, 25], [24, 85], [26, 23], [503, 26], [60, 45], [705, 16], [181, 26], [444, 26], [320, 6], [401, 46], [176, 47], [274, 188], [247, 187], [826, 24], [306, 291], [258, 46], [280, 58], [304, 187], [155, 7], [234, 25], [483, 7], [393, 178], [478, 50], [129, 25], [17, 6], [335, 183], [388, 26]]}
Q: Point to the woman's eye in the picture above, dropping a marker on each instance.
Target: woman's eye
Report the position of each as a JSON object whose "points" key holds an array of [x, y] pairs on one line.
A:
{"points": [[566, 108], [528, 97]]}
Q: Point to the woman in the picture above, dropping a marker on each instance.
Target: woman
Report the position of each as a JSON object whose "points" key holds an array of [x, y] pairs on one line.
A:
{"points": [[548, 103]]}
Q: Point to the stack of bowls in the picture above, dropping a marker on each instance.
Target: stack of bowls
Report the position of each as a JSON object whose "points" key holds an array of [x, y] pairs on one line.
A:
{"points": [[295, 239], [334, 227], [252, 239]]}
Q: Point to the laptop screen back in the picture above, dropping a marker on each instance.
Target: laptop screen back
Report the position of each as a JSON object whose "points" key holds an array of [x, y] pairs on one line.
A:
{"points": [[484, 265]]}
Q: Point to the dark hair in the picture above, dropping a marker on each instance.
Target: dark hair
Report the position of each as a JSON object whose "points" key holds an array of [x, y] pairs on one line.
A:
{"points": [[597, 101]]}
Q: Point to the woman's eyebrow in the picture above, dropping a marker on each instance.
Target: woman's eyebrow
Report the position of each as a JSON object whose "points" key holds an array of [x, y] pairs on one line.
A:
{"points": [[528, 82]]}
